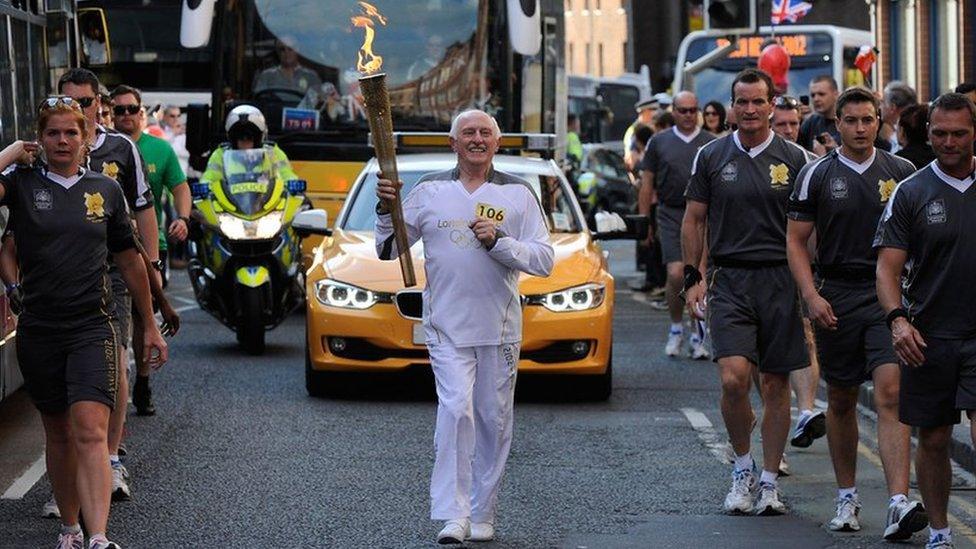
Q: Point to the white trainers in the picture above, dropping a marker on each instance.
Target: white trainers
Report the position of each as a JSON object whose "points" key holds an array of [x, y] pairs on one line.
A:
{"points": [[768, 502], [673, 347], [50, 509], [846, 520], [482, 531], [784, 467], [120, 486], [454, 531], [739, 498], [71, 540], [904, 519], [698, 350], [939, 542]]}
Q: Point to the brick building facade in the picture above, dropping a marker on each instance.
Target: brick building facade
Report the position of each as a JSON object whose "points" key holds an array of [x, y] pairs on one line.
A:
{"points": [[927, 43]]}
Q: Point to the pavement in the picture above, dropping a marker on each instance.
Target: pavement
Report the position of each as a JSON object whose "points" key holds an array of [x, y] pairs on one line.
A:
{"points": [[239, 455]]}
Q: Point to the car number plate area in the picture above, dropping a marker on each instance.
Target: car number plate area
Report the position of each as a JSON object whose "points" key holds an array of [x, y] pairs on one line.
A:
{"points": [[419, 338]]}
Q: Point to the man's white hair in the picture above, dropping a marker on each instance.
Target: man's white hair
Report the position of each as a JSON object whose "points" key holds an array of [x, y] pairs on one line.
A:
{"points": [[456, 123]]}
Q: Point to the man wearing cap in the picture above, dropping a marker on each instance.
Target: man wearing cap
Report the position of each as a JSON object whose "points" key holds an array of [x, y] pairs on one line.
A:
{"points": [[645, 116]]}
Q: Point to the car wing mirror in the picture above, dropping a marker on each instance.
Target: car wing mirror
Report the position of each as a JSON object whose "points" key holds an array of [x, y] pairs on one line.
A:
{"points": [[611, 226], [312, 222]]}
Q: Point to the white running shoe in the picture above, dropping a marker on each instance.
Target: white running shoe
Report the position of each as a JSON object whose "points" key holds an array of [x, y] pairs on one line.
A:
{"points": [[102, 544], [939, 542], [698, 351], [768, 502], [71, 540], [50, 509], [904, 519], [673, 347], [784, 468], [739, 498], [120, 486], [846, 520], [454, 531], [482, 531]]}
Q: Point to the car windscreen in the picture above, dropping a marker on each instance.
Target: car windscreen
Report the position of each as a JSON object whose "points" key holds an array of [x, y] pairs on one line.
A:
{"points": [[558, 207]]}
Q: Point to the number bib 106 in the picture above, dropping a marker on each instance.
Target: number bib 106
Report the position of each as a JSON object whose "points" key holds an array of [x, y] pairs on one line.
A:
{"points": [[487, 211]]}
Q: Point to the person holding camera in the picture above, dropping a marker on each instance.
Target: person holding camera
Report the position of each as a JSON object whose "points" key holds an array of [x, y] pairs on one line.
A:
{"points": [[818, 133]]}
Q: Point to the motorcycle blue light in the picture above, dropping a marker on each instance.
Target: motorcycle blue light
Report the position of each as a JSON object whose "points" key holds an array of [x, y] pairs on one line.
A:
{"points": [[296, 186], [200, 190]]}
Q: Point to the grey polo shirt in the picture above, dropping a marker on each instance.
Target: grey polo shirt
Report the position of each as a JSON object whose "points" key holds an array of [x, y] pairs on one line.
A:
{"points": [[814, 125], [117, 157], [65, 229], [845, 200], [932, 216], [746, 193], [669, 156]]}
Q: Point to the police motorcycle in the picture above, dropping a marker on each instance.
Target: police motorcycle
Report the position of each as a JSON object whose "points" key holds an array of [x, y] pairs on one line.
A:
{"points": [[245, 261]]}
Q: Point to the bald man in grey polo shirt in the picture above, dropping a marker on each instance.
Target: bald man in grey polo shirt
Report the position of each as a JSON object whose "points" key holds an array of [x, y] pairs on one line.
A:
{"points": [[665, 171]]}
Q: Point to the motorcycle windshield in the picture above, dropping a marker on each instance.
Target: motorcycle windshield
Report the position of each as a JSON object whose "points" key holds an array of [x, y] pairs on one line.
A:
{"points": [[249, 179]]}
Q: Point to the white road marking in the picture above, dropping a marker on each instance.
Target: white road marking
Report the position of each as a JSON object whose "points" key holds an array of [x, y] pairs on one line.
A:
{"points": [[26, 481], [186, 308], [185, 300], [715, 443]]}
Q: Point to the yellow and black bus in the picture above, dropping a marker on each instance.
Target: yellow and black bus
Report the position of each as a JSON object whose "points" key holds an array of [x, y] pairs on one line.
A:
{"points": [[296, 61]]}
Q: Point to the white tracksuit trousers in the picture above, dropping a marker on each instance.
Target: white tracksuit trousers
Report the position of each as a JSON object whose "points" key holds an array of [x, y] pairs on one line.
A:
{"points": [[475, 394]]}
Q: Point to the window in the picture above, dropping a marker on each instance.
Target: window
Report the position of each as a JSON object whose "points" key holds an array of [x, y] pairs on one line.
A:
{"points": [[589, 67], [572, 62], [906, 44], [601, 58], [946, 41]]}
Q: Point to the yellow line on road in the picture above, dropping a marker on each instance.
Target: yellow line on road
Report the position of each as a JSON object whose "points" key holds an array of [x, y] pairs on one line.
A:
{"points": [[959, 526]]}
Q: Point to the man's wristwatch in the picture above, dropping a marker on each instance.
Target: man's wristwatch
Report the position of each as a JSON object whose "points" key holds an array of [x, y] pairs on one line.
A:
{"points": [[896, 314], [158, 265], [692, 276], [184, 219]]}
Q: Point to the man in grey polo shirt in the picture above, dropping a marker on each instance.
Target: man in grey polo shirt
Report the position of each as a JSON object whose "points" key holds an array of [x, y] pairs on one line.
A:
{"points": [[929, 226], [665, 171], [738, 191], [842, 196]]}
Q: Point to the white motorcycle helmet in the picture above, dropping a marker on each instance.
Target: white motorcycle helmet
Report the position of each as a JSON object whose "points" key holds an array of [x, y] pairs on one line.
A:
{"points": [[246, 121]]}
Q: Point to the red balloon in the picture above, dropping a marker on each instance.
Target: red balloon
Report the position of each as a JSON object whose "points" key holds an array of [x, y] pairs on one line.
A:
{"points": [[775, 61]]}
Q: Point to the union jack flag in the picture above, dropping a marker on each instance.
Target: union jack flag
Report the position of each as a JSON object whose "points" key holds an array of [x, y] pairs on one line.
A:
{"points": [[789, 10]]}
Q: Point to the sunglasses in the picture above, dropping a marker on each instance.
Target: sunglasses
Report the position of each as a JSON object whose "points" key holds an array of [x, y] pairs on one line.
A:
{"points": [[70, 102], [686, 110], [785, 101], [119, 110], [710, 113]]}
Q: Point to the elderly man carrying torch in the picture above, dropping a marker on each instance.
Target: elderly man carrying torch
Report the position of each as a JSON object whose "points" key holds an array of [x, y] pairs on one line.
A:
{"points": [[472, 315]]}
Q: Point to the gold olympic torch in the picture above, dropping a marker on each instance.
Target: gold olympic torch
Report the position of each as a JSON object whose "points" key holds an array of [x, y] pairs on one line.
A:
{"points": [[376, 99]]}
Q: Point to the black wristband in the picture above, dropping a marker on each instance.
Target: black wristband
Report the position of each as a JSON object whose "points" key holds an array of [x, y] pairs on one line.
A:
{"points": [[894, 314], [692, 276], [185, 219]]}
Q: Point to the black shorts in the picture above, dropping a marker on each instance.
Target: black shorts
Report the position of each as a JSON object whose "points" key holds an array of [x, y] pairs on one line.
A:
{"points": [[862, 340], [123, 307], [755, 313], [669, 232], [932, 394], [67, 363]]}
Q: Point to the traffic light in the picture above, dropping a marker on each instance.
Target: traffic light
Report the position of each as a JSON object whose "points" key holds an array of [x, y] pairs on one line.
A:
{"points": [[732, 16]]}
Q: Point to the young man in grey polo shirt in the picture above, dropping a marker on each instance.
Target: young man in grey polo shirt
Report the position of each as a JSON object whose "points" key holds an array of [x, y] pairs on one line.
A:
{"points": [[842, 197], [929, 226], [665, 171], [739, 189]]}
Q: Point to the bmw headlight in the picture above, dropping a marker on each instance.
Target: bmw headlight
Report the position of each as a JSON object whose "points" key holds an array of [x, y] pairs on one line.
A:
{"points": [[577, 298], [338, 294], [263, 228]]}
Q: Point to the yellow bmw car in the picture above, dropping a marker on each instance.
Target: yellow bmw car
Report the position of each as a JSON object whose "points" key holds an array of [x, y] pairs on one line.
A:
{"points": [[361, 318]]}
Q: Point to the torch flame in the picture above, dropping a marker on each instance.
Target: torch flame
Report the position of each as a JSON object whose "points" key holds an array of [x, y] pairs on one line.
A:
{"points": [[368, 62]]}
